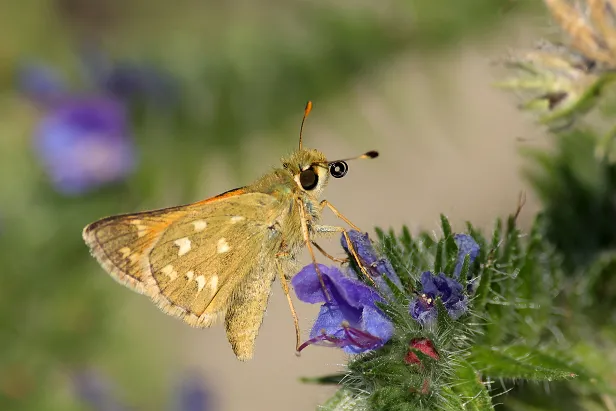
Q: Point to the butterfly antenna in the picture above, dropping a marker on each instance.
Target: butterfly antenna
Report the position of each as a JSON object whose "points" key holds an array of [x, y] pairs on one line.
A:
{"points": [[367, 155], [301, 129]]}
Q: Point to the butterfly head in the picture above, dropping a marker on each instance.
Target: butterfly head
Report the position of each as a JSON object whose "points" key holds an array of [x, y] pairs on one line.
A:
{"points": [[311, 170]]}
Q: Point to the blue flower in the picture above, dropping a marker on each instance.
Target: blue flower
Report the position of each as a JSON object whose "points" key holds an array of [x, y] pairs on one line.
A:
{"points": [[84, 143], [375, 265], [440, 286], [449, 290], [350, 319], [466, 246]]}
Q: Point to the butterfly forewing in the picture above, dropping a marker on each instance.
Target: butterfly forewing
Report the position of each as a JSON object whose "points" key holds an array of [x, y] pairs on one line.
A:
{"points": [[202, 258], [122, 243], [191, 260]]}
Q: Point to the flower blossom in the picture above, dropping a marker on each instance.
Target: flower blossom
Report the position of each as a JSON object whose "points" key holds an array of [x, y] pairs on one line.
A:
{"points": [[83, 139], [349, 319], [448, 289]]}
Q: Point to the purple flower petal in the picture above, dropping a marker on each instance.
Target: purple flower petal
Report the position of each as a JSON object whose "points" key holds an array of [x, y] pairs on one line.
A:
{"points": [[450, 291], [329, 321], [375, 323], [341, 288], [350, 319], [466, 246], [376, 266]]}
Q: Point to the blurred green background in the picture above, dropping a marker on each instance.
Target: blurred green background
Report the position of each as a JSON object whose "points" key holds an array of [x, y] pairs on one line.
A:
{"points": [[215, 98]]}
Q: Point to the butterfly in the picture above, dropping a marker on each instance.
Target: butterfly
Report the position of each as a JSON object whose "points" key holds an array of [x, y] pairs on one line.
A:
{"points": [[217, 258]]}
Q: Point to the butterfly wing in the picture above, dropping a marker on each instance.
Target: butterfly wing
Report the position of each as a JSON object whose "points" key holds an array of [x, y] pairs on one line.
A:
{"points": [[196, 261]]}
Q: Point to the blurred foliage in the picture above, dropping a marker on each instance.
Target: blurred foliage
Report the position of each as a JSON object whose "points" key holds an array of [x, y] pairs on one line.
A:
{"points": [[241, 68]]}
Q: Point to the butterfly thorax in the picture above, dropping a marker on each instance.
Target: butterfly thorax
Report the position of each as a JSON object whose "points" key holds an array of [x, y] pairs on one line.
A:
{"points": [[284, 184]]}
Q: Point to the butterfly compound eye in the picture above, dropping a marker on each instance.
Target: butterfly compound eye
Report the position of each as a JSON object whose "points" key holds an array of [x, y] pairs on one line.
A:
{"points": [[308, 179], [338, 169]]}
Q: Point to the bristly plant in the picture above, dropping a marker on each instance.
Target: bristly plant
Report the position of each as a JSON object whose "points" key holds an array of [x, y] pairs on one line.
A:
{"points": [[472, 319]]}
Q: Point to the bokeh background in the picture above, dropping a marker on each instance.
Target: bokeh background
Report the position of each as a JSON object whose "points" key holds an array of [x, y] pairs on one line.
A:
{"points": [[112, 106]]}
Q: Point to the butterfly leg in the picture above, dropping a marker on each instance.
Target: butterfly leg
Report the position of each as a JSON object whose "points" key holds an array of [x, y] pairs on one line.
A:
{"points": [[336, 229], [337, 213], [308, 241], [326, 254], [285, 288]]}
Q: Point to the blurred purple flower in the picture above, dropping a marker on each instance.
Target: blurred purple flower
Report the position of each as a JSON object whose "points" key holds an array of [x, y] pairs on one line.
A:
{"points": [[350, 320], [41, 83], [450, 292], [127, 81], [96, 391], [466, 245], [84, 143], [191, 395]]}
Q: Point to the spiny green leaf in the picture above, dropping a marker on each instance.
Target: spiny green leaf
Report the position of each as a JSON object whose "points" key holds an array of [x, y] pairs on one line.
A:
{"points": [[332, 379], [470, 389], [406, 239], [483, 290], [445, 324], [399, 295], [519, 362], [466, 266], [446, 226], [438, 258]]}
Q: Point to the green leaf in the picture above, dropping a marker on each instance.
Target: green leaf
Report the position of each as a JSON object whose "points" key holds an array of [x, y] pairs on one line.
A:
{"points": [[520, 362], [438, 258], [399, 295], [469, 388], [447, 232], [483, 291], [445, 323], [332, 379]]}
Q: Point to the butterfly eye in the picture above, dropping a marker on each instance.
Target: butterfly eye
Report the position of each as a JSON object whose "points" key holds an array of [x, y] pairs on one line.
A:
{"points": [[308, 179], [338, 169]]}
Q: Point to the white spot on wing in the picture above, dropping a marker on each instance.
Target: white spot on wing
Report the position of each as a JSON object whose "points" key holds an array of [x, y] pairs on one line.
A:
{"points": [[200, 282], [184, 244], [199, 225], [170, 272], [190, 275], [222, 246], [214, 283], [237, 219]]}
